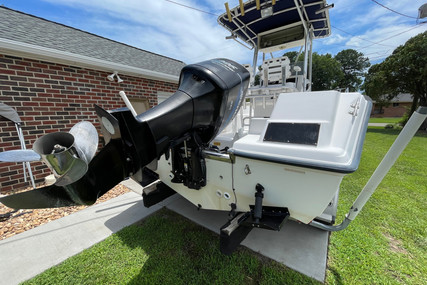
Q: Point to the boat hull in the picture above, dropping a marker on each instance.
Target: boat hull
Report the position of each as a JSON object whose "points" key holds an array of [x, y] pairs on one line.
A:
{"points": [[299, 155], [305, 192]]}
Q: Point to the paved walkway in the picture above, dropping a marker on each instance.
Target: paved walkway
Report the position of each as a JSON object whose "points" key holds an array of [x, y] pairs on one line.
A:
{"points": [[377, 124], [25, 255], [298, 246]]}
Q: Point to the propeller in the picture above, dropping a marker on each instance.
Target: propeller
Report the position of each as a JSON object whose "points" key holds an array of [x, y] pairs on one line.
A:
{"points": [[82, 176], [66, 154]]}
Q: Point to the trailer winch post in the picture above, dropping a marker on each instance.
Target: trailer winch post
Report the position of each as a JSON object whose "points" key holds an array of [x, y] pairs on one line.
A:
{"points": [[389, 159]]}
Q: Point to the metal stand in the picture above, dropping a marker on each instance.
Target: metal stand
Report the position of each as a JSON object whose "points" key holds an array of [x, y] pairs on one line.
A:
{"points": [[236, 230], [389, 159]]}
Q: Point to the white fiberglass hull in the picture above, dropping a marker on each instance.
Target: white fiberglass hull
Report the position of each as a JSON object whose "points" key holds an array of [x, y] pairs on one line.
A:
{"points": [[305, 192], [299, 155]]}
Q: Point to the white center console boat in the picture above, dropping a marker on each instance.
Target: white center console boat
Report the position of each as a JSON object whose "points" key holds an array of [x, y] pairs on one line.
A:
{"points": [[264, 152]]}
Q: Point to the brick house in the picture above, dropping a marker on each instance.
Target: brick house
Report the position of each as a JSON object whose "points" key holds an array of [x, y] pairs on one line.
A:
{"points": [[397, 107], [53, 74]]}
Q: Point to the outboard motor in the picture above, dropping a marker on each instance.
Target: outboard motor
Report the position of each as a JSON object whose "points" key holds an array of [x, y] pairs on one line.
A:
{"points": [[209, 95]]}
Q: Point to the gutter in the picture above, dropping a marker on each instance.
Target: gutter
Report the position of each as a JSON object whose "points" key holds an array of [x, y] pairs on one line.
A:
{"points": [[15, 48]]}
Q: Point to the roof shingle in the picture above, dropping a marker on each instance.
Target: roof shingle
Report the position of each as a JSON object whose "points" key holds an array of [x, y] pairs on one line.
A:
{"points": [[25, 28]]}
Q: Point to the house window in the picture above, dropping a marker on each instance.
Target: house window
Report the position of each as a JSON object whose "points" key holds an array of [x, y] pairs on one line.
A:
{"points": [[395, 104], [378, 111]]}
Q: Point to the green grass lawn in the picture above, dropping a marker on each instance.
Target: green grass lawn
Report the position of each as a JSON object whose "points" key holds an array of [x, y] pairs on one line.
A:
{"points": [[393, 120], [385, 244], [166, 248]]}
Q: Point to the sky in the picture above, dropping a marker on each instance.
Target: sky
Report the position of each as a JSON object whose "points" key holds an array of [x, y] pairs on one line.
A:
{"points": [[193, 35]]}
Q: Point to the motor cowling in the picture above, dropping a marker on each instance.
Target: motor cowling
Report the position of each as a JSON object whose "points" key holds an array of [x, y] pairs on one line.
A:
{"points": [[217, 88], [209, 95]]}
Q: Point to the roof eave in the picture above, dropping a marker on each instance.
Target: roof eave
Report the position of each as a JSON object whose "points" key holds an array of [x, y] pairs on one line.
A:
{"points": [[15, 48]]}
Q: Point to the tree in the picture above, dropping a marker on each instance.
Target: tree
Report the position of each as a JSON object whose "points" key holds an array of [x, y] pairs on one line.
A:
{"points": [[353, 65], [326, 71], [375, 86], [406, 70], [257, 80], [292, 55]]}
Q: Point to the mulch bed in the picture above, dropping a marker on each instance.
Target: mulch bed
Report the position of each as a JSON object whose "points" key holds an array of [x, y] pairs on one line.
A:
{"points": [[13, 222]]}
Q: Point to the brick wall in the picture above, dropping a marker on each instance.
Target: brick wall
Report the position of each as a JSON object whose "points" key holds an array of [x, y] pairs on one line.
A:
{"points": [[391, 110], [52, 97]]}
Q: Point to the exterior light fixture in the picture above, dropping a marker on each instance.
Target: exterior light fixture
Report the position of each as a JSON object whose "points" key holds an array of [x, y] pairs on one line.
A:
{"points": [[111, 77], [119, 80]]}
